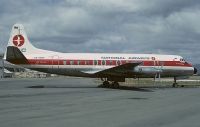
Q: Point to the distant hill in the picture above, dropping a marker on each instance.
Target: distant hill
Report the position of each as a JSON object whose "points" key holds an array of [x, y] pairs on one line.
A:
{"points": [[198, 68]]}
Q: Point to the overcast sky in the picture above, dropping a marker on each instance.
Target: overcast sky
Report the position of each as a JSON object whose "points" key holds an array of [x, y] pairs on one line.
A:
{"points": [[128, 26]]}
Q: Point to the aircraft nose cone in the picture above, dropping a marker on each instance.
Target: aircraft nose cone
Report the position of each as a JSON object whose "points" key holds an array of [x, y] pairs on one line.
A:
{"points": [[195, 70]]}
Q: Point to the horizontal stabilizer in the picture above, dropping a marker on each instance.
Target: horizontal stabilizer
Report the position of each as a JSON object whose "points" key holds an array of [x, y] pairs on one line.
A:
{"points": [[15, 56]]}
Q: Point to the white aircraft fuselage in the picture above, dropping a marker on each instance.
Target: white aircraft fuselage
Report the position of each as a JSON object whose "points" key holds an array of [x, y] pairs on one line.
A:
{"points": [[114, 67]]}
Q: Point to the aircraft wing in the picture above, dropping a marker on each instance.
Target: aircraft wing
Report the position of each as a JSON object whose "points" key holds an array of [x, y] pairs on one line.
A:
{"points": [[117, 70]]}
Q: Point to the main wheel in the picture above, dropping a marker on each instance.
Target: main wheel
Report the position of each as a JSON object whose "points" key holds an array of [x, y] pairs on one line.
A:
{"points": [[115, 85], [106, 84]]}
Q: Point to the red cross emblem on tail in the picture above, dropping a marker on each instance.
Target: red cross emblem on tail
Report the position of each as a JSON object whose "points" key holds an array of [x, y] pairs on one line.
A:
{"points": [[18, 40]]}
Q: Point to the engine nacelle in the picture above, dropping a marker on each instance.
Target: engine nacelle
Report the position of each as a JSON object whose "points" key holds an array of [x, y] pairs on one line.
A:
{"points": [[147, 70]]}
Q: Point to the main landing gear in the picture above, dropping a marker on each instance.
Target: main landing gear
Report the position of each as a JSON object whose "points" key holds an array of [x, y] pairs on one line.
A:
{"points": [[107, 84], [175, 84]]}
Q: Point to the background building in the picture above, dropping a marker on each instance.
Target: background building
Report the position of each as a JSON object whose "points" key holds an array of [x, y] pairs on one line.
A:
{"points": [[8, 70]]}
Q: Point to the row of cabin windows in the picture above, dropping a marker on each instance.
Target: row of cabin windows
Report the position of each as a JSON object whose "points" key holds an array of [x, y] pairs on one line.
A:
{"points": [[101, 62], [94, 62], [104, 62]]}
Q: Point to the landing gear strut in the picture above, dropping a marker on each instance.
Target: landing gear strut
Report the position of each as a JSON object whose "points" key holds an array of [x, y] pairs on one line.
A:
{"points": [[175, 84]]}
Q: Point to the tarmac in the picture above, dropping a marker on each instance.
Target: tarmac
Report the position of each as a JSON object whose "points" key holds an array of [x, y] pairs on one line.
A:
{"points": [[77, 102]]}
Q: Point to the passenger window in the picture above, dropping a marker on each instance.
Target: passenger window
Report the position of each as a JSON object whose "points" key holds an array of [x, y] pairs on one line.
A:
{"points": [[64, 62], [103, 62], [111, 62], [78, 62], [118, 62], [71, 62], [95, 62], [87, 62]]}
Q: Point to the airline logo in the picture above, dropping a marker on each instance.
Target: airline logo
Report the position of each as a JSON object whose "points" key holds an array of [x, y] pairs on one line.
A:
{"points": [[18, 40]]}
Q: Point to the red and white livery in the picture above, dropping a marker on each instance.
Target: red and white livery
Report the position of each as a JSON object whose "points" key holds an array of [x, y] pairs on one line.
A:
{"points": [[109, 66]]}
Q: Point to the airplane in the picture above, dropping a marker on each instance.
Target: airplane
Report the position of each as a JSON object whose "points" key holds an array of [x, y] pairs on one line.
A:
{"points": [[111, 68]]}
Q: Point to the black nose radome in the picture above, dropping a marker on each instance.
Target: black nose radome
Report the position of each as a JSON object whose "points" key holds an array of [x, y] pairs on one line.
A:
{"points": [[195, 70]]}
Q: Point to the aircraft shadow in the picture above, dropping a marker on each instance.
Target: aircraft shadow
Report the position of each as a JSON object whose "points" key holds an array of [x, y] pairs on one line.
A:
{"points": [[86, 87], [135, 89]]}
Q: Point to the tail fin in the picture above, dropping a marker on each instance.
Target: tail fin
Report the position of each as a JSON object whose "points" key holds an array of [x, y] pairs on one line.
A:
{"points": [[19, 39]]}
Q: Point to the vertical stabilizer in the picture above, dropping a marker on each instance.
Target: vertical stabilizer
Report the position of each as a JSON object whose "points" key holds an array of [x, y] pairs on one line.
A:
{"points": [[19, 39]]}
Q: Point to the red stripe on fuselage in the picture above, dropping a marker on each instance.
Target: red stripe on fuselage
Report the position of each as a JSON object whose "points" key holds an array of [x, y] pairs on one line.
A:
{"points": [[104, 62]]}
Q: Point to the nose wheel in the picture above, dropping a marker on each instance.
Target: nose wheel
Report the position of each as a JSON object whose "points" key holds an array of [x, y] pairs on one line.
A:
{"points": [[175, 84]]}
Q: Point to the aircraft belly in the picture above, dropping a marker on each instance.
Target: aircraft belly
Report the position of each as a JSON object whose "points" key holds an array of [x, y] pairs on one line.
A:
{"points": [[177, 72], [61, 71], [165, 71], [79, 71]]}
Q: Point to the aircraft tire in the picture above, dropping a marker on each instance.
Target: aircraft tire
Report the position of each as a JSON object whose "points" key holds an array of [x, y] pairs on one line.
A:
{"points": [[115, 85], [106, 84]]}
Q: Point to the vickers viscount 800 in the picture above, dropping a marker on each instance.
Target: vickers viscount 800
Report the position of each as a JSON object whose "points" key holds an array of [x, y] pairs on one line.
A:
{"points": [[111, 68]]}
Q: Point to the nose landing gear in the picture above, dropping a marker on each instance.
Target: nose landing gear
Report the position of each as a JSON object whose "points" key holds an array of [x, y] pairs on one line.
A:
{"points": [[175, 84]]}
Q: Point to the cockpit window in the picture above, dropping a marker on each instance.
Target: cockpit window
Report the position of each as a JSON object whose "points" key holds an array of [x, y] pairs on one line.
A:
{"points": [[182, 60]]}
